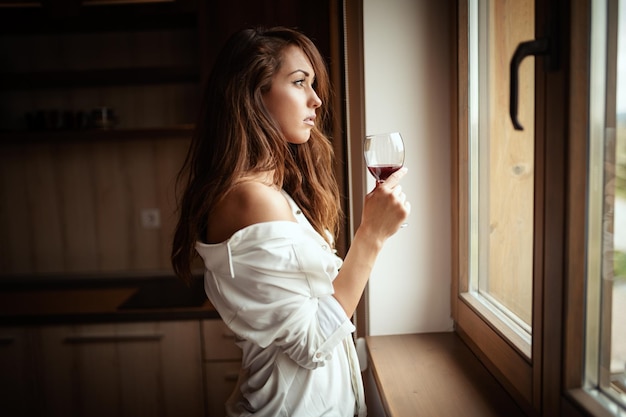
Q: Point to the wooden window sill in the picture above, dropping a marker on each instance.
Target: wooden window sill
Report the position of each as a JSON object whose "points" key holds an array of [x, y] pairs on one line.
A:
{"points": [[434, 374]]}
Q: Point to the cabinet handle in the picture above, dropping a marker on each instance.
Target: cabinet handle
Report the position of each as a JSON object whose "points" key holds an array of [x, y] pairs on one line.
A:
{"points": [[115, 338], [7, 340]]}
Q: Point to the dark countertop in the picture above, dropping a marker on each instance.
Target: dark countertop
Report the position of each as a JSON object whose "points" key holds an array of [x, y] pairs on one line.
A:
{"points": [[62, 300]]}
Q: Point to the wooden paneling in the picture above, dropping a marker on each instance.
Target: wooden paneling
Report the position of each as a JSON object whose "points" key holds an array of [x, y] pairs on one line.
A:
{"points": [[114, 219], [76, 188], [44, 198], [76, 206], [14, 222]]}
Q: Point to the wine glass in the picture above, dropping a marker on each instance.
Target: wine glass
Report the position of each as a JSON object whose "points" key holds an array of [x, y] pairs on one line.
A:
{"points": [[384, 154]]}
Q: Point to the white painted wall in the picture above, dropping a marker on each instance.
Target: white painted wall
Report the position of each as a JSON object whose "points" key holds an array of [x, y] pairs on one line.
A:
{"points": [[408, 63]]}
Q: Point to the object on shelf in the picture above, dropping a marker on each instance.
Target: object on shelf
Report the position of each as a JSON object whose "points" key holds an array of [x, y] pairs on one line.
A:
{"points": [[103, 118], [51, 120]]}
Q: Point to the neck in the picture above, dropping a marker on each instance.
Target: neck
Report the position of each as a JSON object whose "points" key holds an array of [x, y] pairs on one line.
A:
{"points": [[266, 178]]}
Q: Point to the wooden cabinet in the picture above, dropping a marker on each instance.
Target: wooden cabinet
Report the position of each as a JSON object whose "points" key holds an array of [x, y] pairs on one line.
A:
{"points": [[222, 362], [133, 369], [18, 385], [143, 59], [163, 368], [122, 369], [64, 60]]}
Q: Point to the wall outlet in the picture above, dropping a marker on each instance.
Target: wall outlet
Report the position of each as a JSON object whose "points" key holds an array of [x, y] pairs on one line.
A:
{"points": [[151, 218]]}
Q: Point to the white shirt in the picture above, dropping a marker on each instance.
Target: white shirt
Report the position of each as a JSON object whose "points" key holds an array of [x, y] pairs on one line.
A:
{"points": [[272, 285]]}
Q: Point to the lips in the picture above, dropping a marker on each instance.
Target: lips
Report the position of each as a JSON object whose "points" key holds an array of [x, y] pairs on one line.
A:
{"points": [[310, 121]]}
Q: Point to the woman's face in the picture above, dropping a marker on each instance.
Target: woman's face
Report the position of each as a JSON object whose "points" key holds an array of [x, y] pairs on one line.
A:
{"points": [[291, 99]]}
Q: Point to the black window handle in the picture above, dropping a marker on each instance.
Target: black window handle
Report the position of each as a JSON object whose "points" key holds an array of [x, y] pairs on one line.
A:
{"points": [[524, 49]]}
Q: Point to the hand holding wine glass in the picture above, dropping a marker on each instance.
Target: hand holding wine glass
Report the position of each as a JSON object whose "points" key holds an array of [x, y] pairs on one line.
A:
{"points": [[384, 155]]}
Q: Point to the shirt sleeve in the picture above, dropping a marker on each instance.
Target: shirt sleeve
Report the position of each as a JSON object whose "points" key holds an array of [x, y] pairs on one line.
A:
{"points": [[280, 292], [331, 314]]}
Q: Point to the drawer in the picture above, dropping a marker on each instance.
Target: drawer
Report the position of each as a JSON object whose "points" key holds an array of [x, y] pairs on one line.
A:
{"points": [[219, 341], [221, 379]]}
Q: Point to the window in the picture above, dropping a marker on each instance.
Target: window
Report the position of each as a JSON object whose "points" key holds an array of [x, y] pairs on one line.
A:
{"points": [[605, 360], [501, 171], [511, 196], [547, 316]]}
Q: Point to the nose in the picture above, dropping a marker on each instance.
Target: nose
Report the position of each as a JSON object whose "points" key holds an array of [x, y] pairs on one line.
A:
{"points": [[315, 100]]}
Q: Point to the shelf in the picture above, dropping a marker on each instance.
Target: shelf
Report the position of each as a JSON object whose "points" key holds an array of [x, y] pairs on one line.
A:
{"points": [[71, 16], [54, 136], [140, 57], [98, 77]]}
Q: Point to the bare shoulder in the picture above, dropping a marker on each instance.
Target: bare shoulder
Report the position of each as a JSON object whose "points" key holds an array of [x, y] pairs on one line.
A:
{"points": [[255, 202], [248, 203]]}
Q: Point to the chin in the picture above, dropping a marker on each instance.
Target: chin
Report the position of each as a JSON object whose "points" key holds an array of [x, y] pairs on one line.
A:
{"points": [[299, 140]]}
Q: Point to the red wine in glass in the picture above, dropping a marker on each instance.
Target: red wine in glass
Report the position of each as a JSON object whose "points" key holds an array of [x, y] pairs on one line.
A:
{"points": [[384, 154], [382, 172]]}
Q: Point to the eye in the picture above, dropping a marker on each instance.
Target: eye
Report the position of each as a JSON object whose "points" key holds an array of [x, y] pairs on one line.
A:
{"points": [[300, 82]]}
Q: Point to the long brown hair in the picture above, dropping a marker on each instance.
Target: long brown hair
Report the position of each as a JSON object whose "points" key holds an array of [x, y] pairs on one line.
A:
{"points": [[235, 135]]}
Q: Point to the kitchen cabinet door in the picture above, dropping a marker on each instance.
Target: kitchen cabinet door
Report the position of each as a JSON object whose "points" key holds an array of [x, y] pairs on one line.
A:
{"points": [[222, 361], [17, 373], [123, 369], [221, 380]]}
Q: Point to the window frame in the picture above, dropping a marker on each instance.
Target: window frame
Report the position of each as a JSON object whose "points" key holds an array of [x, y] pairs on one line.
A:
{"points": [[596, 394], [535, 383], [552, 381]]}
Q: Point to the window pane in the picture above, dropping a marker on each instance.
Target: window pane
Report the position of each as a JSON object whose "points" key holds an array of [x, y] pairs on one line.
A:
{"points": [[605, 367], [618, 311], [501, 161]]}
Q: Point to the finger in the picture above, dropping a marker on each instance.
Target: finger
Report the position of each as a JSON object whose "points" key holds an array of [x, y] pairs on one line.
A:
{"points": [[401, 197], [395, 178]]}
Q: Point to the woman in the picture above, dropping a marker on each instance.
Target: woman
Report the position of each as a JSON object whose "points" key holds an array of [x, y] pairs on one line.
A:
{"points": [[261, 208]]}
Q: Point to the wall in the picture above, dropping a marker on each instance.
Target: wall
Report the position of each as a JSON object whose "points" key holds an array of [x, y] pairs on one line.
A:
{"points": [[408, 73], [74, 206], [72, 197]]}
